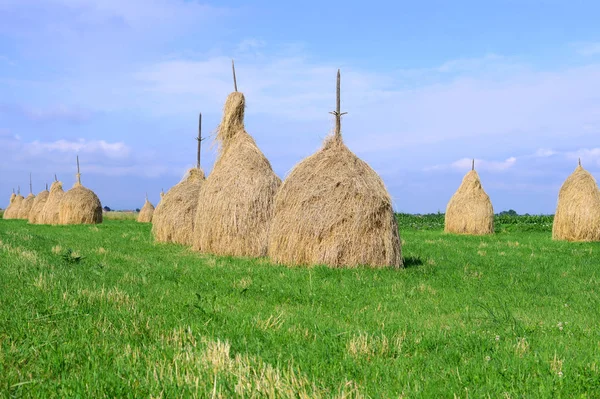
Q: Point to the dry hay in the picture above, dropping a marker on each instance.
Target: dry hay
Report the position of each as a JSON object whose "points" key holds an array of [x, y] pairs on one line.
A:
{"points": [[334, 209], [8, 210], [49, 214], [577, 215], [470, 210], [80, 205], [15, 207], [145, 215], [173, 219], [35, 215], [235, 203], [26, 207]]}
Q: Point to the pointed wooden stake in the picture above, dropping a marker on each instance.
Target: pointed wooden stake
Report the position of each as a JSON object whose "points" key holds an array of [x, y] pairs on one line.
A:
{"points": [[30, 185], [579, 161], [46, 186], [199, 138], [78, 174], [473, 164], [55, 179], [18, 190], [338, 114], [234, 79]]}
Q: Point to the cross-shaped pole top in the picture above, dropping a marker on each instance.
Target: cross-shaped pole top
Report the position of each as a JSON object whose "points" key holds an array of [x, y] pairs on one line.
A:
{"points": [[338, 114]]}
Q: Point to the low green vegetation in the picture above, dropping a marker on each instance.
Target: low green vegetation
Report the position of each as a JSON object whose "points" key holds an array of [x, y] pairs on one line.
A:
{"points": [[103, 311]]}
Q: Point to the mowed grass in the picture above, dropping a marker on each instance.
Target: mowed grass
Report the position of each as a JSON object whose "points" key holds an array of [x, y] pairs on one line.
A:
{"points": [[103, 311]]}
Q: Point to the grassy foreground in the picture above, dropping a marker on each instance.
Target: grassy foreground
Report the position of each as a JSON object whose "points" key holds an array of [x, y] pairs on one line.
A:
{"points": [[102, 311]]}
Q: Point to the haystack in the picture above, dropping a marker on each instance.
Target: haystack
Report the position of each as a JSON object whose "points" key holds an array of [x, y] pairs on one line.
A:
{"points": [[145, 215], [15, 206], [334, 209], [27, 203], [38, 206], [577, 215], [8, 210], [235, 203], [470, 210], [49, 214], [79, 205]]}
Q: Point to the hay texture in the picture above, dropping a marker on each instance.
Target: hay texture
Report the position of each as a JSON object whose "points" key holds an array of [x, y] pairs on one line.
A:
{"points": [[49, 214], [26, 206], [15, 207], [145, 215], [470, 210], [173, 219], [38, 206], [577, 215], [80, 205], [8, 210], [333, 209], [235, 203]]}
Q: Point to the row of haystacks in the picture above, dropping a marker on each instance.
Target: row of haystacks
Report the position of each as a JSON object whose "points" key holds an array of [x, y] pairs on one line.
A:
{"points": [[79, 205]]}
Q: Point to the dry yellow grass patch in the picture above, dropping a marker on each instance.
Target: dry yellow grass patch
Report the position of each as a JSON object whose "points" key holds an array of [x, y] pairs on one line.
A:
{"points": [[114, 296], [369, 346], [556, 365], [273, 322], [522, 347]]}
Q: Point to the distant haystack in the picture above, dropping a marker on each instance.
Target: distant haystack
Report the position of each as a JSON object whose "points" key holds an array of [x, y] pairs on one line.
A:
{"points": [[15, 206], [80, 205], [8, 210], [235, 203], [173, 219], [145, 215], [334, 209], [470, 210], [577, 215], [27, 203], [49, 214], [35, 215]]}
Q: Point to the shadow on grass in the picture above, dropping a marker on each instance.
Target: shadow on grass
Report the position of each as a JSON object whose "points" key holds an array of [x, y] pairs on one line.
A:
{"points": [[412, 261]]}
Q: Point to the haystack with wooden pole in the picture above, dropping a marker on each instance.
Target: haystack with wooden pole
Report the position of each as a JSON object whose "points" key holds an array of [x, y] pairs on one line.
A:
{"points": [[49, 214], [174, 216], [27, 203], [145, 215], [38, 206], [15, 206], [8, 210], [79, 205], [333, 209], [577, 215], [235, 203], [470, 210]]}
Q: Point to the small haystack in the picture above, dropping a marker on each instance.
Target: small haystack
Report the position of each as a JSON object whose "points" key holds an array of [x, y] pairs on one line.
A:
{"points": [[173, 219], [49, 214], [27, 203], [79, 205], [15, 207], [470, 210], [235, 203], [577, 215], [8, 210], [334, 209], [35, 215], [145, 215]]}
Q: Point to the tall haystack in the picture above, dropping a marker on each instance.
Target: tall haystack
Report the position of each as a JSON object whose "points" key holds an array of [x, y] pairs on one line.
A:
{"points": [[577, 215], [15, 206], [333, 209], [27, 203], [173, 219], [470, 210], [235, 203], [8, 210], [145, 215], [38, 206], [49, 214], [79, 205]]}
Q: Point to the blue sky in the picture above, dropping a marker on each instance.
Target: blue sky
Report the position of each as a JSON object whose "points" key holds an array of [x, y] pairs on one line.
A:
{"points": [[427, 86]]}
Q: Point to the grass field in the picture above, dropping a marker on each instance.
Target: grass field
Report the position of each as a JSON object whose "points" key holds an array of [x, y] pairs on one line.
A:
{"points": [[102, 311]]}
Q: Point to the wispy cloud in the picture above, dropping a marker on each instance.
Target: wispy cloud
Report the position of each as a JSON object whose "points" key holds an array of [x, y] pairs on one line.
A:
{"points": [[81, 146], [588, 49], [465, 164]]}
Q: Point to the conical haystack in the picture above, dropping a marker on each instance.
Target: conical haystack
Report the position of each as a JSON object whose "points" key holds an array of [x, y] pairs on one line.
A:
{"points": [[79, 205], [38, 206], [8, 210], [173, 219], [577, 215], [49, 214], [470, 210], [145, 215], [334, 209], [15, 206], [27, 203], [235, 203]]}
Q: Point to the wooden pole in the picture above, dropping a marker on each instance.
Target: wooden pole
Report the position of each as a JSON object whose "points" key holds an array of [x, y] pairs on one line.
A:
{"points": [[55, 179], [338, 114], [199, 138], [46, 186], [30, 185], [579, 161], [18, 190], [473, 164], [78, 174], [234, 79]]}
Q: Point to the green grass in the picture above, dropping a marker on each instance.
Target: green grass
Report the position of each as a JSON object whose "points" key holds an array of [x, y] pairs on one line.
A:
{"points": [[102, 311]]}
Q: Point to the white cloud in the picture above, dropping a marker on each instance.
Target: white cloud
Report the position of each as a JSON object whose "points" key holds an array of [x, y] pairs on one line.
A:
{"points": [[544, 152], [465, 164], [81, 146], [588, 49]]}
